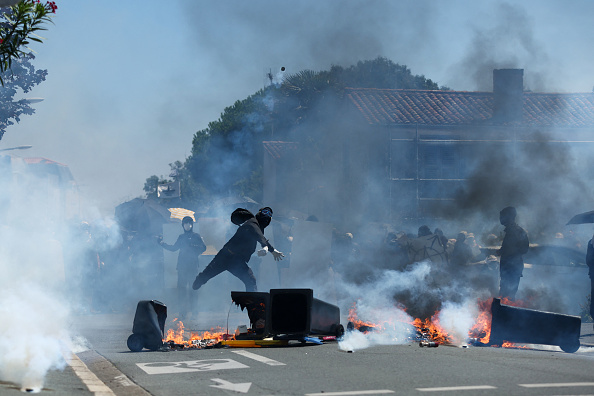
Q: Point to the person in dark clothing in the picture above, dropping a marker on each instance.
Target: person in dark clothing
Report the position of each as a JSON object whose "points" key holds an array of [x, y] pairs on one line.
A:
{"points": [[236, 253], [514, 245], [590, 262], [462, 254], [424, 231], [442, 238], [190, 246]]}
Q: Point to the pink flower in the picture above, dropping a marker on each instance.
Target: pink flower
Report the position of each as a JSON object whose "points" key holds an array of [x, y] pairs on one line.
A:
{"points": [[52, 5]]}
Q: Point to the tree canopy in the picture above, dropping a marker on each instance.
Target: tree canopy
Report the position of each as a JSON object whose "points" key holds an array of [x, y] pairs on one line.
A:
{"points": [[226, 157], [21, 77], [19, 25]]}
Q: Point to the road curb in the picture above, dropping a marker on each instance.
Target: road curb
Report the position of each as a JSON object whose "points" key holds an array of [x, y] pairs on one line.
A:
{"points": [[117, 382]]}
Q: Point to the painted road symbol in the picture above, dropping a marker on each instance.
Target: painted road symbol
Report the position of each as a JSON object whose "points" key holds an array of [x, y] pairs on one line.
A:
{"points": [[243, 387], [190, 366]]}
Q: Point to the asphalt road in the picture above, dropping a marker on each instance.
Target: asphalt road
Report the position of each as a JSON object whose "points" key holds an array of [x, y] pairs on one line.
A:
{"points": [[107, 367]]}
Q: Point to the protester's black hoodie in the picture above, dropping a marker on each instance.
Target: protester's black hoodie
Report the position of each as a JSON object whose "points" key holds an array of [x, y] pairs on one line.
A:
{"points": [[250, 232]]}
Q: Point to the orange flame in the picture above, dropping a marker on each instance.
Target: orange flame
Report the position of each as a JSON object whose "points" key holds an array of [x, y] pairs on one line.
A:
{"points": [[178, 336], [482, 326], [359, 324], [433, 329]]}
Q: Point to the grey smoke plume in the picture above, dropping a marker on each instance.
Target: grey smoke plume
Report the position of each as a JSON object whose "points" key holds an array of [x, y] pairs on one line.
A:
{"points": [[509, 43], [541, 178]]}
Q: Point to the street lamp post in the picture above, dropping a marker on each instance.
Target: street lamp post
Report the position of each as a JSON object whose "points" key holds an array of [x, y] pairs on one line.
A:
{"points": [[17, 148]]}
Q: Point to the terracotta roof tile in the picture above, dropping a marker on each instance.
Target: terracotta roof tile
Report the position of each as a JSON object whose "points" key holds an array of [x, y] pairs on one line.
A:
{"points": [[41, 160], [402, 107]]}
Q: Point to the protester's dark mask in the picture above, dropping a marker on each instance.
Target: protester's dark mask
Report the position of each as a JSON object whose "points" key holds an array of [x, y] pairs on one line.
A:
{"points": [[264, 217], [507, 216], [187, 224]]}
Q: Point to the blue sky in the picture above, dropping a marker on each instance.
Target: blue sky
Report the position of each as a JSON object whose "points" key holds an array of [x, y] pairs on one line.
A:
{"points": [[130, 82]]}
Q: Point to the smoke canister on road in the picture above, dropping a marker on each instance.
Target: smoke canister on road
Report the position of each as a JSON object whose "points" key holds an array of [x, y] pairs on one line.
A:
{"points": [[429, 344]]}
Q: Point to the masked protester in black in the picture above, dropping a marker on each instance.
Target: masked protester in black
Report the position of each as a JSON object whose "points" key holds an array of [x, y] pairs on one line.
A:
{"points": [[190, 246], [514, 245], [236, 253]]}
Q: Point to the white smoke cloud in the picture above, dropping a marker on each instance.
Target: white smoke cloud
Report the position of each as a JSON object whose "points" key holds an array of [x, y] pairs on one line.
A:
{"points": [[458, 318], [375, 304], [32, 334], [42, 267]]}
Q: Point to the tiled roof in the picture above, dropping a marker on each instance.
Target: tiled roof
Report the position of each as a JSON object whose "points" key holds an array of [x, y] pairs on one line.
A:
{"points": [[40, 160], [402, 107], [277, 149], [44, 167]]}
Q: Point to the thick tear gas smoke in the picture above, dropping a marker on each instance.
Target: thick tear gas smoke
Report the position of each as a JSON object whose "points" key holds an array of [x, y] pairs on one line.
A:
{"points": [[42, 268], [33, 336], [381, 302], [541, 178], [510, 43]]}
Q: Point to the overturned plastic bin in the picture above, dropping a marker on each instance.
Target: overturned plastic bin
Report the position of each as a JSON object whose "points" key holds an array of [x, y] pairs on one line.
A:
{"points": [[256, 304], [289, 314], [149, 326], [529, 326], [295, 312]]}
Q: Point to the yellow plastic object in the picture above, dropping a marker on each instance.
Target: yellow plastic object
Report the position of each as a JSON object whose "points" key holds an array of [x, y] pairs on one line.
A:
{"points": [[254, 343]]}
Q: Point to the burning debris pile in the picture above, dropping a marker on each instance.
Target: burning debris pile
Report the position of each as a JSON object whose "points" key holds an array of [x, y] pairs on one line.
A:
{"points": [[293, 314], [428, 332], [178, 340], [497, 325], [276, 318]]}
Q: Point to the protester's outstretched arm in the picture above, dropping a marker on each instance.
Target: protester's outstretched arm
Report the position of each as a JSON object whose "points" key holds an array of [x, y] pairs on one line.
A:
{"points": [[277, 255], [171, 248]]}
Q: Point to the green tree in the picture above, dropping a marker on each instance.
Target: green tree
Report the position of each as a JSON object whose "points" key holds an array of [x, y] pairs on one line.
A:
{"points": [[150, 186], [301, 93], [19, 25], [178, 172], [382, 73], [226, 157], [21, 78]]}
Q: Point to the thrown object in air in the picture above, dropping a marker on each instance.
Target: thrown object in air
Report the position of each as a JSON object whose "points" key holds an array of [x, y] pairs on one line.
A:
{"points": [[529, 326], [289, 313], [149, 326]]}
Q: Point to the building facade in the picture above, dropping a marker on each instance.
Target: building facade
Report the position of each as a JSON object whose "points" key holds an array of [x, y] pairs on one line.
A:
{"points": [[410, 155]]}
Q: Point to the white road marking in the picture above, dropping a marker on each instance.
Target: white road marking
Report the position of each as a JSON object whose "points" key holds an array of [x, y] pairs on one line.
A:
{"points": [[456, 388], [259, 358], [190, 366], [241, 387], [354, 393], [94, 384], [123, 380], [557, 385]]}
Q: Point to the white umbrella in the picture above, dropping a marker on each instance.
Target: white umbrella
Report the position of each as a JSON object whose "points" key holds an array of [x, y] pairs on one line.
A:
{"points": [[180, 213]]}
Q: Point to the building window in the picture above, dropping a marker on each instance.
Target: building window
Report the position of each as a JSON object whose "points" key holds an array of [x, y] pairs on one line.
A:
{"points": [[439, 158]]}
